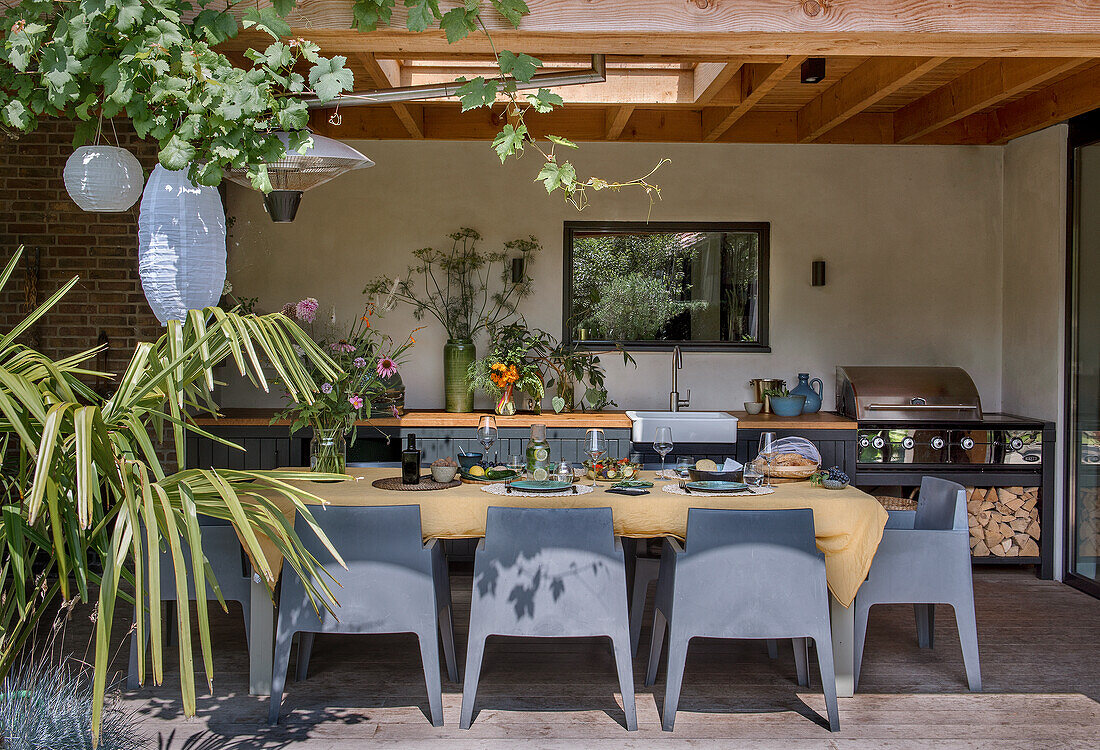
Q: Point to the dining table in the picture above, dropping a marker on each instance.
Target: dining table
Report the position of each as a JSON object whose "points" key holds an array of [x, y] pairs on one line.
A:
{"points": [[848, 526]]}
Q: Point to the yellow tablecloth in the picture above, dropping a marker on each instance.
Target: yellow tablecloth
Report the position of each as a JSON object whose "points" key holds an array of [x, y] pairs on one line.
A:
{"points": [[848, 523]]}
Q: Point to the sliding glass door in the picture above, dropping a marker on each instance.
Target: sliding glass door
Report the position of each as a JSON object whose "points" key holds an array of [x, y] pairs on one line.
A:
{"points": [[1083, 412]]}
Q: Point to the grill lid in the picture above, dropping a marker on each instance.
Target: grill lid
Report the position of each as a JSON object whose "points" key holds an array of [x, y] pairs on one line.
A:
{"points": [[907, 394]]}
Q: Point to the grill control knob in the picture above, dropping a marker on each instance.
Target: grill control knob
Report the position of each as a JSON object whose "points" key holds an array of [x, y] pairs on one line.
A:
{"points": [[967, 443], [937, 443], [1016, 444], [878, 441], [864, 442], [907, 443]]}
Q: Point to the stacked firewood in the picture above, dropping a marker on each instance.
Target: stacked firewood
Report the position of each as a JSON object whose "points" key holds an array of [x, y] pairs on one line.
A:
{"points": [[1088, 522], [1004, 521]]}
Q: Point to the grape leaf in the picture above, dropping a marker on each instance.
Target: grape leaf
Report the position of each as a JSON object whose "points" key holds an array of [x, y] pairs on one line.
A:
{"points": [[562, 141], [266, 19], [554, 176], [512, 10], [476, 92], [282, 7], [176, 154], [368, 14], [521, 66], [509, 141], [422, 14], [545, 100], [457, 23], [329, 77]]}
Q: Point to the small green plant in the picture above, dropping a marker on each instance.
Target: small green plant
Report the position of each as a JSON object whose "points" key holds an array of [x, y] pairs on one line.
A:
{"points": [[777, 393]]}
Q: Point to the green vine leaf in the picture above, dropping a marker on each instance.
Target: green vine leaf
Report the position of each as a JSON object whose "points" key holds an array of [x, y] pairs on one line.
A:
{"points": [[555, 176], [422, 14], [509, 141], [368, 15], [544, 100], [176, 154], [476, 92], [561, 141], [457, 23], [328, 77], [266, 19], [521, 66], [512, 10]]}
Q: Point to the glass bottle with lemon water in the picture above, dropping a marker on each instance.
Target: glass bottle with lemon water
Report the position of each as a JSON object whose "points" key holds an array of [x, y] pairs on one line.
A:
{"points": [[538, 454]]}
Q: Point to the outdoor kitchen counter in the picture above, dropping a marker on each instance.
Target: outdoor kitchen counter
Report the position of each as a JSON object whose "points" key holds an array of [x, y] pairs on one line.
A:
{"points": [[607, 419]]}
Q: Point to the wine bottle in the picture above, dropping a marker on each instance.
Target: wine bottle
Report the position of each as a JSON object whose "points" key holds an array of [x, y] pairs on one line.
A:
{"points": [[410, 462], [538, 454]]}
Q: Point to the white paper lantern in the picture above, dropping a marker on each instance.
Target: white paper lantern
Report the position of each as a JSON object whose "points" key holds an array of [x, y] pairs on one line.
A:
{"points": [[105, 179], [181, 245]]}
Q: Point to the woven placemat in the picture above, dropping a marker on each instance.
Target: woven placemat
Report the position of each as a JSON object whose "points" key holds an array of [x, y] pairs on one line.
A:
{"points": [[426, 484], [674, 489], [502, 489]]}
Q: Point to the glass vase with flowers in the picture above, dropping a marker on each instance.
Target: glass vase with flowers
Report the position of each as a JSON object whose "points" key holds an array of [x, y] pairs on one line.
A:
{"points": [[367, 361], [508, 368]]}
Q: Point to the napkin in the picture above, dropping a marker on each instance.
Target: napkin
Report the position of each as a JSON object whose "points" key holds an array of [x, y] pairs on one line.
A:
{"points": [[730, 465]]}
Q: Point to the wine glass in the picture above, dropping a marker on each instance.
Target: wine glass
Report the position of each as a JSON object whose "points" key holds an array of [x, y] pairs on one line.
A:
{"points": [[662, 443], [595, 445], [767, 451], [487, 433]]}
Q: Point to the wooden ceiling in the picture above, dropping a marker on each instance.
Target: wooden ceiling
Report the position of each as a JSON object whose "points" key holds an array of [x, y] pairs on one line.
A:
{"points": [[927, 72]]}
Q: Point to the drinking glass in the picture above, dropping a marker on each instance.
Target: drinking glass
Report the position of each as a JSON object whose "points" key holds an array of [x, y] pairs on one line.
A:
{"points": [[767, 451], [684, 465], [662, 443], [564, 472], [595, 445], [487, 433], [753, 474], [516, 464]]}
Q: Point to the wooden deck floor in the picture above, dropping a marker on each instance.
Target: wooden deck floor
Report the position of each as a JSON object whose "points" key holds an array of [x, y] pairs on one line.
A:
{"points": [[1040, 663]]}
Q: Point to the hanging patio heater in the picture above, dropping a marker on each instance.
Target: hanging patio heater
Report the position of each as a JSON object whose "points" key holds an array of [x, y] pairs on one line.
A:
{"points": [[295, 173]]}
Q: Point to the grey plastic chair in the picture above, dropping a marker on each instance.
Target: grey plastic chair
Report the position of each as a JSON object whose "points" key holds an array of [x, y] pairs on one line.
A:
{"points": [[743, 574], [924, 560], [231, 569], [394, 583], [549, 573]]}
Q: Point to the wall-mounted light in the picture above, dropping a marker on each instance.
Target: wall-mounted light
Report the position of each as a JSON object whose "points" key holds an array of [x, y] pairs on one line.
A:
{"points": [[519, 270], [813, 70], [817, 273]]}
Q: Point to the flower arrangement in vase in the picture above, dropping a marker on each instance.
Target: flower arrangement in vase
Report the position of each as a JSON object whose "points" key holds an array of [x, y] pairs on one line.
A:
{"points": [[507, 368], [467, 291], [367, 361]]}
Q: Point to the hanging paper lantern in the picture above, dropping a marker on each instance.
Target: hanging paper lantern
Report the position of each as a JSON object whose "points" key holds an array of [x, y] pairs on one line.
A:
{"points": [[181, 245], [295, 173], [105, 179]]}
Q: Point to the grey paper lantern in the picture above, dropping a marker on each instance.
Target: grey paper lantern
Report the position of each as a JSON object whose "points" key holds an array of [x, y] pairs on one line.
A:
{"points": [[181, 245], [104, 179]]}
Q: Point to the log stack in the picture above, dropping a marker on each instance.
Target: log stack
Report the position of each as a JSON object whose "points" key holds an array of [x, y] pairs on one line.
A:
{"points": [[1088, 523], [1004, 521]]}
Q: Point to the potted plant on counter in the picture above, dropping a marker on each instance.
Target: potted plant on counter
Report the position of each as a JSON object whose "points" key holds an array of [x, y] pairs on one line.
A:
{"points": [[570, 366], [366, 362], [467, 291], [508, 368]]}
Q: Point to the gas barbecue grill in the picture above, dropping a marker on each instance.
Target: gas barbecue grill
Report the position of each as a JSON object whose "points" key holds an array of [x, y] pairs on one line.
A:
{"points": [[918, 421]]}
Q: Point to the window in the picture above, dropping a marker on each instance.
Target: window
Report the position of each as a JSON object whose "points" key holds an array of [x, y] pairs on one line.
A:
{"points": [[655, 285]]}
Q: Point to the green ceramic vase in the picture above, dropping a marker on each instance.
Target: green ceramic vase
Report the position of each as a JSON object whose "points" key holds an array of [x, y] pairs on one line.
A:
{"points": [[458, 355]]}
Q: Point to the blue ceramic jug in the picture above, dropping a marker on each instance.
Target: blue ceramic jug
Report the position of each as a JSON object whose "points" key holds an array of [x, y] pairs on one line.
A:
{"points": [[806, 387]]}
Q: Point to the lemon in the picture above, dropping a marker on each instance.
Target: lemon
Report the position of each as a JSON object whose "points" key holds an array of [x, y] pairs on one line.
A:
{"points": [[628, 472], [541, 454], [477, 471], [540, 474]]}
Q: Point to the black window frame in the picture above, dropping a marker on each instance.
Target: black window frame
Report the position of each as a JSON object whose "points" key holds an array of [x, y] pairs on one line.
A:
{"points": [[761, 228]]}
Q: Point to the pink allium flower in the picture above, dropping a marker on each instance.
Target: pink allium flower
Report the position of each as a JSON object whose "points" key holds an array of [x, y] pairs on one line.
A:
{"points": [[326, 388], [342, 346], [356, 401], [359, 362], [387, 367], [306, 309]]}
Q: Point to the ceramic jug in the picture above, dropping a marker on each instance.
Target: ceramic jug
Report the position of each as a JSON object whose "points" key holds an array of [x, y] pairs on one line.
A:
{"points": [[811, 389]]}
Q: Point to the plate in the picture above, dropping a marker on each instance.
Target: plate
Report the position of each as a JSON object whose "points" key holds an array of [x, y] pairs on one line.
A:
{"points": [[530, 485], [717, 486]]}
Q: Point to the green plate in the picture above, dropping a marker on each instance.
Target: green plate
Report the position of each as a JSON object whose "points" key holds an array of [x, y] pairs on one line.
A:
{"points": [[530, 485], [716, 486]]}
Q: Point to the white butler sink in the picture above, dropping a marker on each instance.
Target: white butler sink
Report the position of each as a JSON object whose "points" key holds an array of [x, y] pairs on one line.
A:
{"points": [[687, 426]]}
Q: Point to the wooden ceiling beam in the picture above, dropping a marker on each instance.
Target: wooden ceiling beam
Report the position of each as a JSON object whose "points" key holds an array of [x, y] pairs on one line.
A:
{"points": [[1069, 97], [983, 87], [756, 81], [709, 78], [386, 74], [871, 82], [617, 119], [703, 44]]}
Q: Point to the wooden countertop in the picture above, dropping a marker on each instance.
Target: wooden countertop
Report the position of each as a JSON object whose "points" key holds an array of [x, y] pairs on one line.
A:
{"points": [[608, 419]]}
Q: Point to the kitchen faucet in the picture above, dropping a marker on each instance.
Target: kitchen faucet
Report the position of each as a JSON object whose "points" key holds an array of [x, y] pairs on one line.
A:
{"points": [[675, 403]]}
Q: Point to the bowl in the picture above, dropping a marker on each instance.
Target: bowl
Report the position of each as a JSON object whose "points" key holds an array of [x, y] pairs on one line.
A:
{"points": [[468, 460], [787, 406], [444, 474], [833, 484], [701, 475], [754, 407]]}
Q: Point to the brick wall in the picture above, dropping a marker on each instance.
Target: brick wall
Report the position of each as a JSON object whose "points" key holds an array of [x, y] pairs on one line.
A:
{"points": [[35, 211]]}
